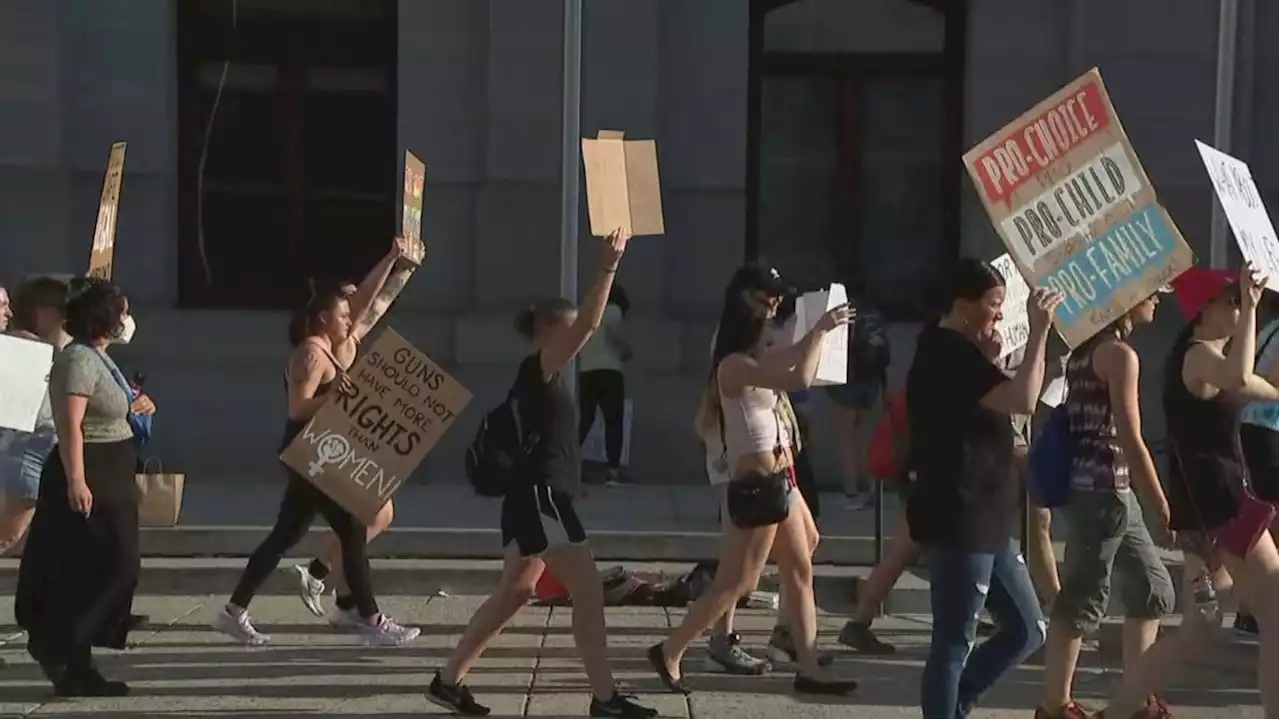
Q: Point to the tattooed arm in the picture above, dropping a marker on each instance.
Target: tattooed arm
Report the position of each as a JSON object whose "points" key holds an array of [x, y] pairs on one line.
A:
{"points": [[362, 302], [304, 373]]}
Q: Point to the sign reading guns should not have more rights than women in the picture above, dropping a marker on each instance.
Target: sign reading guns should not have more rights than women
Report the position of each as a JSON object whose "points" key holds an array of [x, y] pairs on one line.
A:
{"points": [[102, 257], [1069, 198], [362, 445]]}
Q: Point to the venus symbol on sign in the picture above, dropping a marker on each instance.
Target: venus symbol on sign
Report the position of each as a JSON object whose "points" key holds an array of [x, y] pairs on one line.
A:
{"points": [[328, 450]]}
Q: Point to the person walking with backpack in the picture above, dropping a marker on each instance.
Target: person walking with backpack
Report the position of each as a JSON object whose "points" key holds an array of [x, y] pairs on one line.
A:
{"points": [[854, 403], [527, 451]]}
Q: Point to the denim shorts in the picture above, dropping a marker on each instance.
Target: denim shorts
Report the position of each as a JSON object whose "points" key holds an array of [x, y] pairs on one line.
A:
{"points": [[1108, 536], [22, 468]]}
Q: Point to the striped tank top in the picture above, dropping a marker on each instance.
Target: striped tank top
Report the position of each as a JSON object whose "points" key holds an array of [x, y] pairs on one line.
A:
{"points": [[1098, 463]]}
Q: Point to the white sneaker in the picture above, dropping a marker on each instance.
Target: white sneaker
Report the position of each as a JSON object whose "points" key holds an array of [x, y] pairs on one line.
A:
{"points": [[238, 627], [310, 590], [345, 618], [386, 633]]}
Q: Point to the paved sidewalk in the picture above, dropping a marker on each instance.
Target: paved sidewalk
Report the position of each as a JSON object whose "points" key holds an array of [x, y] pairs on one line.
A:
{"points": [[181, 668]]}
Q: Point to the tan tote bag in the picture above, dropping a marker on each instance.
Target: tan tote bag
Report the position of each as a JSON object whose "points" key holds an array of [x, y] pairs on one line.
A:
{"points": [[159, 495]]}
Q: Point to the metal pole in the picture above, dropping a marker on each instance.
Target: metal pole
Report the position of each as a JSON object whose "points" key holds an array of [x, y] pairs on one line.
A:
{"points": [[570, 164], [1223, 116]]}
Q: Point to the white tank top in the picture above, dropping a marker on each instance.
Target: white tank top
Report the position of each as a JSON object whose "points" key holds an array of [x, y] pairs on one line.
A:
{"points": [[752, 423]]}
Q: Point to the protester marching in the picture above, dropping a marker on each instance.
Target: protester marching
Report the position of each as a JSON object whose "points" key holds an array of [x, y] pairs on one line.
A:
{"points": [[1044, 329]]}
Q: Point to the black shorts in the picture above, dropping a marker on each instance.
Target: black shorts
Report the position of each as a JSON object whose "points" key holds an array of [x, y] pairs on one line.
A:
{"points": [[1260, 451], [538, 518]]}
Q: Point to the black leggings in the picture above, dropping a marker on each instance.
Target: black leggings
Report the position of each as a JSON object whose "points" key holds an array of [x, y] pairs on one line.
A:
{"points": [[603, 388], [297, 510]]}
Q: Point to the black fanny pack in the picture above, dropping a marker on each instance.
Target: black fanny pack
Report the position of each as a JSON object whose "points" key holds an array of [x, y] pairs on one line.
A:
{"points": [[759, 500]]}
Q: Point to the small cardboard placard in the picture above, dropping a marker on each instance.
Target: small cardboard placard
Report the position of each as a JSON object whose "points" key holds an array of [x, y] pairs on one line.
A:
{"points": [[1014, 326], [1067, 194], [623, 189], [415, 175], [102, 256], [24, 381], [1245, 211], [833, 363], [362, 446]]}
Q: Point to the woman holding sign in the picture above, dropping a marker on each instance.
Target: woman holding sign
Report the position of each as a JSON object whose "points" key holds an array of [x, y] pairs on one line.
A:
{"points": [[80, 567], [540, 528], [320, 331], [964, 507], [1222, 527], [744, 406]]}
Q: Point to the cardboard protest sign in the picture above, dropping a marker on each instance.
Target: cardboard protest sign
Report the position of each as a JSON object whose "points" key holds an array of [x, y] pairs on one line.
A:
{"points": [[1014, 325], [622, 184], [361, 446], [24, 381], [1072, 203], [833, 362], [102, 256], [1247, 215], [415, 173]]}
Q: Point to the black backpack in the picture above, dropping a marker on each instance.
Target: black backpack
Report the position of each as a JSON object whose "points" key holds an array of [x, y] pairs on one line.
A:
{"points": [[869, 355], [500, 450]]}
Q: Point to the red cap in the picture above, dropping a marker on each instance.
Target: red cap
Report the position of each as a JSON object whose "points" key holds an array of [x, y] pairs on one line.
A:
{"points": [[1198, 286]]}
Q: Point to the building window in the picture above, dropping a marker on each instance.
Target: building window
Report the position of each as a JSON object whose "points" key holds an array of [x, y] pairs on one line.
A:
{"points": [[295, 176], [854, 141]]}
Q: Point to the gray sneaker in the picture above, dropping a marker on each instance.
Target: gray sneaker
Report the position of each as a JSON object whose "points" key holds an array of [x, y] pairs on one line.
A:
{"points": [[310, 590], [238, 627], [726, 652], [782, 649], [385, 632]]}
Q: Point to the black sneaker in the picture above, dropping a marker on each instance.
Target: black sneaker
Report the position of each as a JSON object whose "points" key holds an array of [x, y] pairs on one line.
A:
{"points": [[620, 705], [859, 637], [1245, 625], [456, 698]]}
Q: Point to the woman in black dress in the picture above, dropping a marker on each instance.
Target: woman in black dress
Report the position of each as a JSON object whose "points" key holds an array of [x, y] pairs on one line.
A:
{"points": [[80, 566]]}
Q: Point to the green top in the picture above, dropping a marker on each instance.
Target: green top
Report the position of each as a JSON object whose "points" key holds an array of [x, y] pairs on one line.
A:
{"points": [[84, 371]]}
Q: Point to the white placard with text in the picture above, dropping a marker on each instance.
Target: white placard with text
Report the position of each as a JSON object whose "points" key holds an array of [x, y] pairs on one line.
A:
{"points": [[24, 381], [833, 366], [1245, 211], [1014, 326]]}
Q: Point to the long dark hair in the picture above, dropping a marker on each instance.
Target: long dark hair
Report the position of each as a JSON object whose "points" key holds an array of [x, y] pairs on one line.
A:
{"points": [[306, 319], [742, 325]]}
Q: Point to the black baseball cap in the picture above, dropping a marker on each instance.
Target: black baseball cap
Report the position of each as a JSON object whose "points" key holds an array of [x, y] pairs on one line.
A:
{"points": [[760, 277]]}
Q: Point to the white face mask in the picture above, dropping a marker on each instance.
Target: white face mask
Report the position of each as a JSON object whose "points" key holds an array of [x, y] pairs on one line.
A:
{"points": [[127, 328]]}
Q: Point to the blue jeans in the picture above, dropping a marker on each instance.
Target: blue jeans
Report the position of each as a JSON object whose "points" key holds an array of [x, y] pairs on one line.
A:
{"points": [[960, 584]]}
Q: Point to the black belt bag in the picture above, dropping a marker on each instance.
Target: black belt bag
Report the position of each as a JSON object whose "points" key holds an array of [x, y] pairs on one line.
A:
{"points": [[759, 500]]}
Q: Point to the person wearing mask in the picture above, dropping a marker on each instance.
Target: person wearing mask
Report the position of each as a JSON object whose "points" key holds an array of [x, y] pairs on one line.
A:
{"points": [[37, 306], [367, 305], [79, 570], [1258, 430], [601, 382], [964, 506], [540, 529], [1107, 529], [854, 404], [1221, 526], [311, 372], [745, 405]]}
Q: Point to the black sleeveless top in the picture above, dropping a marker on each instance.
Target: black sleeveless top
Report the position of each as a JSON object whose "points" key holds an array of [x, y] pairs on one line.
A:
{"points": [[1206, 468], [293, 426]]}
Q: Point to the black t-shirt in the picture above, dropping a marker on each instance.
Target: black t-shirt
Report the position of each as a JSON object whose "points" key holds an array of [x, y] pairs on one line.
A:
{"points": [[547, 410], [965, 495]]}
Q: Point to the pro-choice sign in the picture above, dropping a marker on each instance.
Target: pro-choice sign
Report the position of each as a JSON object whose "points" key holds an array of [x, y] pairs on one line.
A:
{"points": [[1072, 203]]}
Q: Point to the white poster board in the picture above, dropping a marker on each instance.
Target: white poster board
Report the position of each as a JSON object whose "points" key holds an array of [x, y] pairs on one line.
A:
{"points": [[1055, 392], [1014, 325], [593, 448], [24, 381], [833, 365], [1245, 211]]}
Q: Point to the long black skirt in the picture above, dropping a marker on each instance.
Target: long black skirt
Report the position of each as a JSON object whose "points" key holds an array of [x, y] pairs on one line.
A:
{"points": [[78, 574]]}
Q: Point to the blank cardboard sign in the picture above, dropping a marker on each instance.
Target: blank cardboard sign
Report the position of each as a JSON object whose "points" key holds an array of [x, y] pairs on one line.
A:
{"points": [[623, 189]]}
